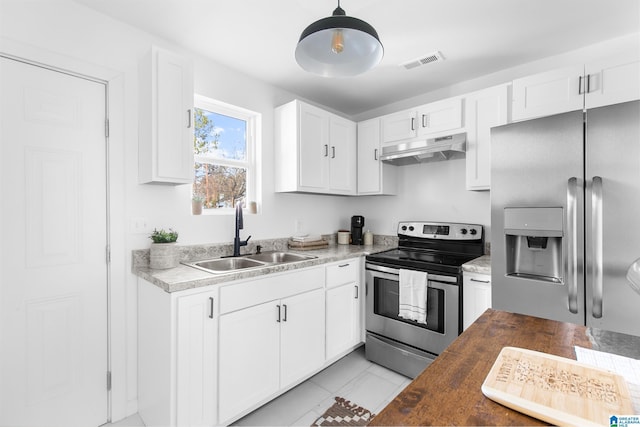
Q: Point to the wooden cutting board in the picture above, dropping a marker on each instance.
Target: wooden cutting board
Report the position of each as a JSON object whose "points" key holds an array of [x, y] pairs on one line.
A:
{"points": [[555, 389]]}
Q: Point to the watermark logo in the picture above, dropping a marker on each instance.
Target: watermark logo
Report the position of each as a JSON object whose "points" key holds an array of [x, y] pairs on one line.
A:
{"points": [[624, 421]]}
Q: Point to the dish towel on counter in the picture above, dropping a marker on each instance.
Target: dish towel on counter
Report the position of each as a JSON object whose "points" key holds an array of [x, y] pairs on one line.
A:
{"points": [[413, 295]]}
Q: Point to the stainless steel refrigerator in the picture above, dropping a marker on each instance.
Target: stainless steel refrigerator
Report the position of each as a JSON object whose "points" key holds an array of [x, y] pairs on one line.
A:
{"points": [[565, 217]]}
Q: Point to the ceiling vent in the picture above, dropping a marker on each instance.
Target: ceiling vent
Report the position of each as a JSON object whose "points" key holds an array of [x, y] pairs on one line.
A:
{"points": [[423, 60]]}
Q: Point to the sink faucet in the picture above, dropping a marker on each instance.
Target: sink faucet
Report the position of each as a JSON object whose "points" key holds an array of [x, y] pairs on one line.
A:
{"points": [[237, 243]]}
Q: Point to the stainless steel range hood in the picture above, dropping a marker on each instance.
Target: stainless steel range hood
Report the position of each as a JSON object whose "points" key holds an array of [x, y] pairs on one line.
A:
{"points": [[441, 148]]}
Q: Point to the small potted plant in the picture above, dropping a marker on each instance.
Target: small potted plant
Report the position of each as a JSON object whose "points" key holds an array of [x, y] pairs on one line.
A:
{"points": [[197, 201], [163, 252]]}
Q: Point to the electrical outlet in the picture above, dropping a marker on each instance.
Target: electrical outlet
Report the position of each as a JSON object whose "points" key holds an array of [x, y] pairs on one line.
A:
{"points": [[298, 226], [140, 226]]}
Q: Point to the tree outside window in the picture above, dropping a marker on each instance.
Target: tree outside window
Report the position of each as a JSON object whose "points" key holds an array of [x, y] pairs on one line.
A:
{"points": [[222, 156]]}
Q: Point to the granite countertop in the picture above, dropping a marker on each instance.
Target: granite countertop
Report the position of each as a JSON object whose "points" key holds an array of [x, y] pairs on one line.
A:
{"points": [[480, 265], [184, 277]]}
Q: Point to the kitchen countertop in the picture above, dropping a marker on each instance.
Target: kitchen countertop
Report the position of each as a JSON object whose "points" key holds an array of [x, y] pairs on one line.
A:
{"points": [[480, 265], [448, 392], [184, 277]]}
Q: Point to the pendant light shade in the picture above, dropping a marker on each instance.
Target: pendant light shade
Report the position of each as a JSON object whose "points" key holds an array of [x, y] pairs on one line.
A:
{"points": [[339, 46]]}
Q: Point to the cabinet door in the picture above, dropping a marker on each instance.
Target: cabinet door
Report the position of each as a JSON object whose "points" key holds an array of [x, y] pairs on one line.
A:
{"points": [[548, 93], [483, 110], [314, 148], [476, 296], [610, 82], [249, 357], [197, 324], [369, 165], [440, 116], [399, 126], [343, 318], [166, 118], [342, 156], [302, 336]]}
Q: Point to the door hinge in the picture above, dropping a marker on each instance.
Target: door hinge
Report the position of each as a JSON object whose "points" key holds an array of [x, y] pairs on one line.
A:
{"points": [[108, 380], [106, 128]]}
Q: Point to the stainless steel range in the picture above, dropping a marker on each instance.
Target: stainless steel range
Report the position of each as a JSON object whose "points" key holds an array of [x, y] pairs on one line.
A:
{"points": [[439, 250]]}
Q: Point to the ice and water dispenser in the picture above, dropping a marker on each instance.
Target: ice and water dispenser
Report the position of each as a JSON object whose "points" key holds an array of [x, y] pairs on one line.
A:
{"points": [[534, 243]]}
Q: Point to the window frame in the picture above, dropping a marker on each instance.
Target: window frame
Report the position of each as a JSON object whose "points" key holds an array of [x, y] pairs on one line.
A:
{"points": [[253, 121]]}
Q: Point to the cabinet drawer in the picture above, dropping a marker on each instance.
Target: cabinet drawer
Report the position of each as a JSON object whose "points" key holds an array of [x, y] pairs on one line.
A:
{"points": [[271, 287], [343, 272]]}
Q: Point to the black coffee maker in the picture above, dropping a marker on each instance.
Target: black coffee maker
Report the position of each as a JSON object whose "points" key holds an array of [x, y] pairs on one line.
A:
{"points": [[357, 236]]}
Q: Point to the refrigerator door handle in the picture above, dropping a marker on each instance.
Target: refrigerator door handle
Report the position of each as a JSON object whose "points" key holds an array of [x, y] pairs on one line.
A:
{"points": [[572, 246], [596, 245]]}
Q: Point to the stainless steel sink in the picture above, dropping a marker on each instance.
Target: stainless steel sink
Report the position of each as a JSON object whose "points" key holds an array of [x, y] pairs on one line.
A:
{"points": [[230, 264], [279, 257], [223, 265]]}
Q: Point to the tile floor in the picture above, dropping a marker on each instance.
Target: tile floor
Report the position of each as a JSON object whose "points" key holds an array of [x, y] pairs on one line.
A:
{"points": [[352, 377]]}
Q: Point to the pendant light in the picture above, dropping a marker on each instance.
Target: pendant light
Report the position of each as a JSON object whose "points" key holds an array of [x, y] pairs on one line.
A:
{"points": [[339, 46]]}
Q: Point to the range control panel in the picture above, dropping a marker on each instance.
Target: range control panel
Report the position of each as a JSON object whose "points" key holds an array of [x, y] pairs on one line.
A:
{"points": [[440, 230]]}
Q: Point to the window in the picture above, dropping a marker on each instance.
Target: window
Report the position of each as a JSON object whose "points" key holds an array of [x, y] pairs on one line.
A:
{"points": [[224, 148]]}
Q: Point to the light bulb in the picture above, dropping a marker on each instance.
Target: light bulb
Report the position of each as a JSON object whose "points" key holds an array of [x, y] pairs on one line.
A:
{"points": [[337, 41]]}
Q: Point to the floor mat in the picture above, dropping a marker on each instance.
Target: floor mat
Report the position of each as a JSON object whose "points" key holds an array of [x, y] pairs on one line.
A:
{"points": [[344, 413]]}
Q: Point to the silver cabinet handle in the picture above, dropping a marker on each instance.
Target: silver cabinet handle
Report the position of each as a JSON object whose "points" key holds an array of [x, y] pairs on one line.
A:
{"points": [[596, 245], [211, 307], [480, 281], [588, 83], [333, 152], [284, 319], [357, 292], [326, 150], [580, 91], [188, 118], [424, 125], [278, 307], [572, 246], [375, 154], [413, 123], [343, 265]]}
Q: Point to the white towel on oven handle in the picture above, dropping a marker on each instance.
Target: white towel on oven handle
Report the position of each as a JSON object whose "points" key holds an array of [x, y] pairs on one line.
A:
{"points": [[412, 296]]}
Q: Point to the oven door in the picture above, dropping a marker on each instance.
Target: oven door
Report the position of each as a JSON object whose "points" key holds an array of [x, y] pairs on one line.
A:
{"points": [[443, 310]]}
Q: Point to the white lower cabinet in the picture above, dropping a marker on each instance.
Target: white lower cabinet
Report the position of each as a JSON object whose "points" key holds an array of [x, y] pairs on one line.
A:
{"points": [[177, 350], [343, 302], [271, 336], [267, 347], [476, 291], [209, 356]]}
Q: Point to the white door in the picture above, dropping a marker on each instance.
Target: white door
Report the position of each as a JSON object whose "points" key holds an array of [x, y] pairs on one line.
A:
{"points": [[53, 271]]}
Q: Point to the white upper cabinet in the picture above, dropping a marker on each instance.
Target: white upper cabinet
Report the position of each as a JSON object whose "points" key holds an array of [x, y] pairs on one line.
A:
{"points": [[425, 121], [548, 93], [610, 82], [483, 110], [315, 150], [399, 126], [165, 130], [597, 84], [441, 116], [374, 176]]}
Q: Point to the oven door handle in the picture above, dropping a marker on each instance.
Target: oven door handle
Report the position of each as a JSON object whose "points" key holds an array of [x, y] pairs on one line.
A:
{"points": [[376, 269]]}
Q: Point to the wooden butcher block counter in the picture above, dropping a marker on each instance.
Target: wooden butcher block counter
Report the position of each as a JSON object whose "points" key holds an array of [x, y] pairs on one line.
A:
{"points": [[449, 391]]}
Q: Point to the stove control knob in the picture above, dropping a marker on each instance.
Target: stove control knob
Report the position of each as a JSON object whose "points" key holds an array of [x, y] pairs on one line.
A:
{"points": [[473, 231], [463, 231], [411, 228], [404, 228]]}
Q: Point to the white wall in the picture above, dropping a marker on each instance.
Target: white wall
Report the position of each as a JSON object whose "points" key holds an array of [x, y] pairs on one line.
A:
{"points": [[66, 34]]}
